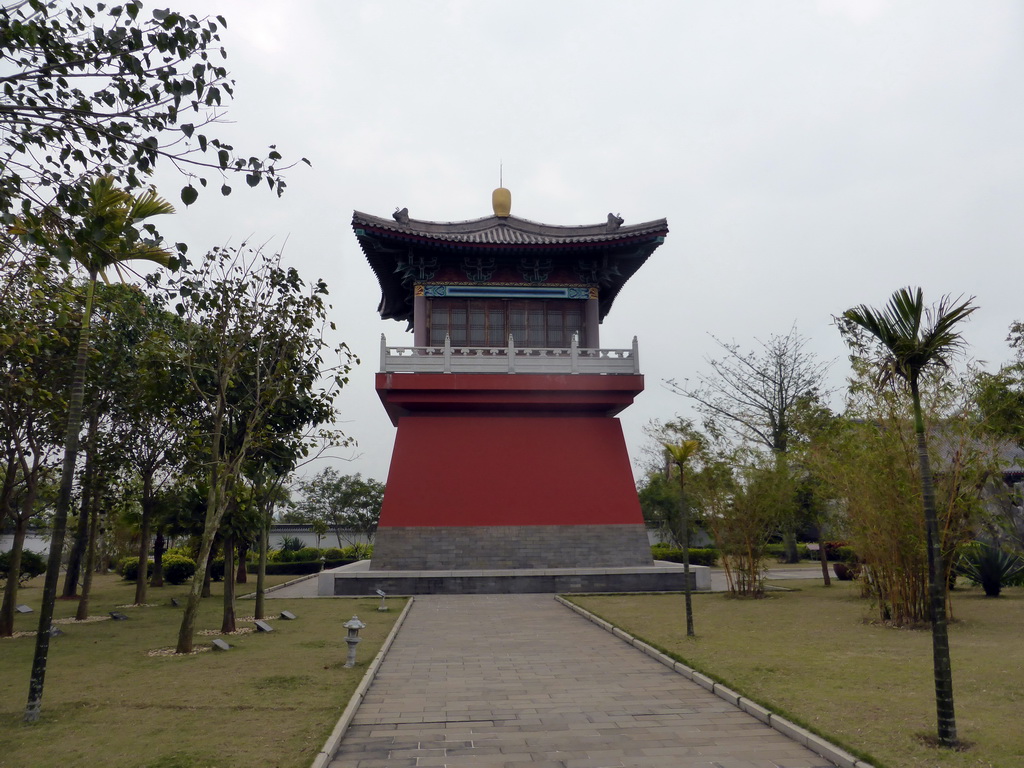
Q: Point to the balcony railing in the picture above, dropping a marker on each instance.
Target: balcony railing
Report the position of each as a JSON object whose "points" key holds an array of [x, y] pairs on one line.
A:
{"points": [[508, 359]]}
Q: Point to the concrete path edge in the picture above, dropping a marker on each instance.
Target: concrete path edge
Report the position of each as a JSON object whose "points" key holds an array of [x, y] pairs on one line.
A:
{"points": [[282, 585], [812, 741], [334, 740]]}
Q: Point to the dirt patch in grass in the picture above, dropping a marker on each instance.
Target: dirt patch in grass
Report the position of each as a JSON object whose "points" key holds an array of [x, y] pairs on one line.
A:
{"points": [[271, 700], [810, 655]]}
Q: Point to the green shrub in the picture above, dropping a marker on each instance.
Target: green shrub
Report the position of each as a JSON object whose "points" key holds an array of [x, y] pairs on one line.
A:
{"points": [[129, 568], [334, 553], [778, 551], [306, 554], [291, 543], [32, 564], [217, 569], [359, 551], [178, 569], [832, 549], [846, 555], [991, 567]]}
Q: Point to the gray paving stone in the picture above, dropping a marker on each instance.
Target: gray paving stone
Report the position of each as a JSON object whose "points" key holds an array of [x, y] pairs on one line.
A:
{"points": [[519, 680]]}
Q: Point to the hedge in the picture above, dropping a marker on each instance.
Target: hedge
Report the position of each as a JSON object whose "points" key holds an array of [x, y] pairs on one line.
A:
{"points": [[129, 568], [702, 556], [178, 569], [778, 551], [32, 564]]}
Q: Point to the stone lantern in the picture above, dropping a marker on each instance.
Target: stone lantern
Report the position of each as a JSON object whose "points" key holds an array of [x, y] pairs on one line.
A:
{"points": [[353, 639]]}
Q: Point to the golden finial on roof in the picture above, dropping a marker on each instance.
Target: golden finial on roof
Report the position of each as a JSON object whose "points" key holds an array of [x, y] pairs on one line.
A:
{"points": [[501, 198], [501, 201]]}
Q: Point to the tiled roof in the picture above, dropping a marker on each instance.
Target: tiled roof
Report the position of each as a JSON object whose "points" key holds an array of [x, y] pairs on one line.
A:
{"points": [[509, 231], [386, 242]]}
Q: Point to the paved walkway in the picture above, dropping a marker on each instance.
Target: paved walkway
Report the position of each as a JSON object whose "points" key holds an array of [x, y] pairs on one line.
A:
{"points": [[515, 681]]}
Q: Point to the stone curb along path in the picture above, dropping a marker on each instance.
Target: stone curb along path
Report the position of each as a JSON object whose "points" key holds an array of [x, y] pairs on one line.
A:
{"points": [[331, 745], [813, 742]]}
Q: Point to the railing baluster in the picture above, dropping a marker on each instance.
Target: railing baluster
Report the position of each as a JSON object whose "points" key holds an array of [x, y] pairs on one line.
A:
{"points": [[574, 360]]}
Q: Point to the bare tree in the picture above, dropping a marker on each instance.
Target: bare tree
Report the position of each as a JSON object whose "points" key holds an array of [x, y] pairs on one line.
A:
{"points": [[756, 396]]}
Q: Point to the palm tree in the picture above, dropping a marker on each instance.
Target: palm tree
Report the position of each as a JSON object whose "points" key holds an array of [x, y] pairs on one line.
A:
{"points": [[912, 339], [105, 238], [680, 453]]}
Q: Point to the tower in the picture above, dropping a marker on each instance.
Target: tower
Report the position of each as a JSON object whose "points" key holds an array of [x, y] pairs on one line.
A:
{"points": [[508, 454]]}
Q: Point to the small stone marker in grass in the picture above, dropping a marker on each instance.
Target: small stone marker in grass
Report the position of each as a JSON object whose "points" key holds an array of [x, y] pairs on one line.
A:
{"points": [[23, 609], [220, 645], [118, 616], [55, 631], [262, 626], [288, 615], [174, 602]]}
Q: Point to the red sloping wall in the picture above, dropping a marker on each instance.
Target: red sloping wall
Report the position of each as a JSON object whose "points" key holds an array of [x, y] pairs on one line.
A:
{"points": [[509, 470]]}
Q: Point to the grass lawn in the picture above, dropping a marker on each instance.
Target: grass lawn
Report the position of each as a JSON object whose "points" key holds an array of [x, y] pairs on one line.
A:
{"points": [[812, 655], [271, 700]]}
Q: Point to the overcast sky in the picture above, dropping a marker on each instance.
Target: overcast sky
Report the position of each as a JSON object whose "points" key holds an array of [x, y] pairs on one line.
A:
{"points": [[809, 156]]}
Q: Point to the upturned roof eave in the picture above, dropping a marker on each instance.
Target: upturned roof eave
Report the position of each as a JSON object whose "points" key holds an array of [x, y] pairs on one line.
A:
{"points": [[472, 233], [634, 244]]}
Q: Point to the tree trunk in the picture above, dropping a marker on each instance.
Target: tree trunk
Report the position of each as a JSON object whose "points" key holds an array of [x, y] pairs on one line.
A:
{"points": [[13, 576], [76, 555], [684, 542], [687, 590], [790, 546], [10, 481], [261, 572], [60, 515], [148, 502], [823, 556], [241, 575], [188, 618], [158, 560], [228, 623], [90, 560], [943, 668], [208, 578], [215, 506]]}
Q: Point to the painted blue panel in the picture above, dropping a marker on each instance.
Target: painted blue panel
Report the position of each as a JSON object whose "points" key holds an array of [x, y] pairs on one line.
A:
{"points": [[506, 291]]}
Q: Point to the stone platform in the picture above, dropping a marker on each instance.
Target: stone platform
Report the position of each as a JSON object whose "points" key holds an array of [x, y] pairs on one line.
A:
{"points": [[358, 579]]}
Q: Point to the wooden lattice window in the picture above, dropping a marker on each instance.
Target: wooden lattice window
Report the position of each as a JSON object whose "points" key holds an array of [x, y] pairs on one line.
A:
{"points": [[538, 323]]}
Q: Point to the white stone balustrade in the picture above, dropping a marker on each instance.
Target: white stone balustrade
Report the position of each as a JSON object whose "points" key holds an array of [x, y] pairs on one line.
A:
{"points": [[508, 359]]}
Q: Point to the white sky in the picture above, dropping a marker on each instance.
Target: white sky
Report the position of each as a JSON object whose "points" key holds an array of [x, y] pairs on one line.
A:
{"points": [[809, 156]]}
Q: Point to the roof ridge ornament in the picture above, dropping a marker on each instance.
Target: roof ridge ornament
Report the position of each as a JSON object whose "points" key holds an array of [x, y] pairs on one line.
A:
{"points": [[401, 216], [501, 202], [614, 222]]}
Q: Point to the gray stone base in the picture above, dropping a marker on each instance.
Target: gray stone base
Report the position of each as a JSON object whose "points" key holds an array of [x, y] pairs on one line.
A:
{"points": [[360, 579], [503, 547]]}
